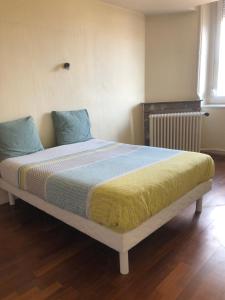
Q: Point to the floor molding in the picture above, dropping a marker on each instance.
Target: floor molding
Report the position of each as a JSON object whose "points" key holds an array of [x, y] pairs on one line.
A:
{"points": [[219, 152]]}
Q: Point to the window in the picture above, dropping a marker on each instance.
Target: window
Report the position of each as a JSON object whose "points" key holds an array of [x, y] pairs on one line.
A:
{"points": [[220, 91], [211, 85]]}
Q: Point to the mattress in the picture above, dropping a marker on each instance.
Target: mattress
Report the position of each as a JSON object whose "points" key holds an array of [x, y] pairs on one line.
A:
{"points": [[116, 185]]}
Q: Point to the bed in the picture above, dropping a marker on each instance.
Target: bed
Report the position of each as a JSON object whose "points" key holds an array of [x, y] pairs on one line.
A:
{"points": [[116, 193]]}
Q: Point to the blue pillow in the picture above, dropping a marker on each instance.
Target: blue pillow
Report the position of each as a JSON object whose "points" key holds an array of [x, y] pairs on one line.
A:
{"points": [[19, 137], [71, 126]]}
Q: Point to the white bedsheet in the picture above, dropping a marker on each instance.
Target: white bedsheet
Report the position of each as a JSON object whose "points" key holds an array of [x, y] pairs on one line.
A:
{"points": [[9, 167]]}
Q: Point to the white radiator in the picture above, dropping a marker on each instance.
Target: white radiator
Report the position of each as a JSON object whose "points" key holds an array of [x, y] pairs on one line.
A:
{"points": [[180, 131]]}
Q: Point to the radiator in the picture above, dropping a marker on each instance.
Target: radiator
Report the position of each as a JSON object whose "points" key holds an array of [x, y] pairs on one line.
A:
{"points": [[180, 131]]}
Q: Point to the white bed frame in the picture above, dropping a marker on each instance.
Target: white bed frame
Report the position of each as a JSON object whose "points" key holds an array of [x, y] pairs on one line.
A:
{"points": [[121, 242]]}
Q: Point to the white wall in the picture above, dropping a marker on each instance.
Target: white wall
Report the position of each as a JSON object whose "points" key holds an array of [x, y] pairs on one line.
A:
{"points": [[106, 48], [3, 197], [172, 69], [172, 57], [214, 130]]}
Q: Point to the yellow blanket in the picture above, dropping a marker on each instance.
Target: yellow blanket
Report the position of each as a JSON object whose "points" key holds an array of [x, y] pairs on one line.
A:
{"points": [[125, 202]]}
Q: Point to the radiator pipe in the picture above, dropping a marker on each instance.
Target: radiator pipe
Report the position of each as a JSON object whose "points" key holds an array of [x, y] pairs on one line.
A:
{"points": [[206, 114]]}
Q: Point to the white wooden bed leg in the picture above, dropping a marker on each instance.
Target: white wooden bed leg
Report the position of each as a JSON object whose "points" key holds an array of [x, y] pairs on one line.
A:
{"points": [[12, 199], [199, 206], [124, 263]]}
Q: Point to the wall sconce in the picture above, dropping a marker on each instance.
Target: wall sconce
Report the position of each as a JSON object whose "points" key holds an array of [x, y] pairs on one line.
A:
{"points": [[66, 66]]}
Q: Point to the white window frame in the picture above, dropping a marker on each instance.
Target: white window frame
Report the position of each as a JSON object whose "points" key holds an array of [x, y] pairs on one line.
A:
{"points": [[211, 16]]}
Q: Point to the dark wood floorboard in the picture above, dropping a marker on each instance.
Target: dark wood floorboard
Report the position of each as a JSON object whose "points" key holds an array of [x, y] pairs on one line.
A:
{"points": [[42, 258]]}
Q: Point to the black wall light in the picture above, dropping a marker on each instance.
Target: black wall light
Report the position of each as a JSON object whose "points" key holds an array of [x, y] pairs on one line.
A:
{"points": [[66, 66]]}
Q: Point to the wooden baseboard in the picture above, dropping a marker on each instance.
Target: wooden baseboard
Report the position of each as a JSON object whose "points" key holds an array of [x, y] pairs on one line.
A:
{"points": [[217, 152]]}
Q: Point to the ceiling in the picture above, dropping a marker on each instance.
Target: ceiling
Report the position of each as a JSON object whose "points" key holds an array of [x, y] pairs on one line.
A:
{"points": [[159, 6]]}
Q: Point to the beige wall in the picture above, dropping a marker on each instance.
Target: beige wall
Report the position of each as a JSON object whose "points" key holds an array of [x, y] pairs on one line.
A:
{"points": [[3, 197], [172, 69], [106, 48], [172, 57], [214, 130]]}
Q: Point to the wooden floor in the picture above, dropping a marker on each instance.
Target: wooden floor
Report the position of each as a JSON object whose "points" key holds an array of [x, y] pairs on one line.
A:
{"points": [[41, 258]]}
